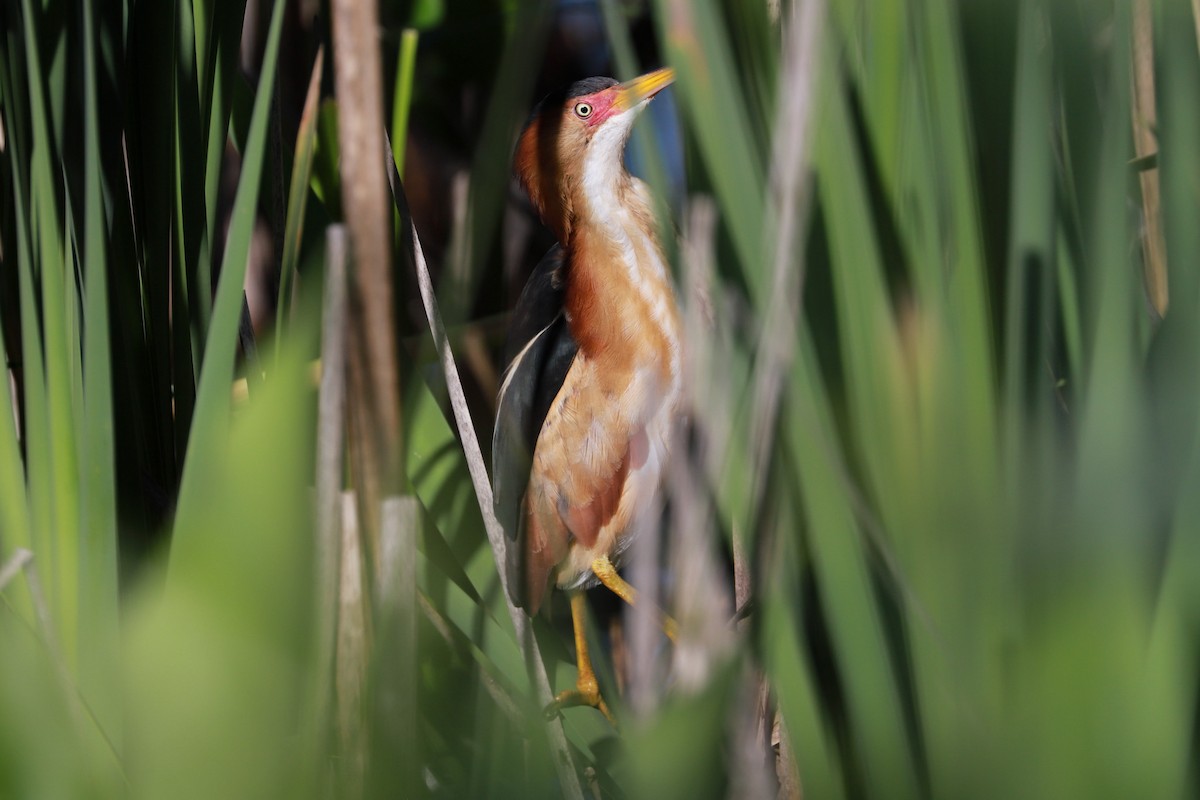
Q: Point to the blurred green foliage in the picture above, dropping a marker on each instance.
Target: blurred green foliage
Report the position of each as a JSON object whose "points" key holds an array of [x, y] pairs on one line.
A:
{"points": [[974, 538]]}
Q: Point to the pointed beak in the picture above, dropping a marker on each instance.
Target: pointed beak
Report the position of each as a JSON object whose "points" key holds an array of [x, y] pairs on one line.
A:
{"points": [[631, 93]]}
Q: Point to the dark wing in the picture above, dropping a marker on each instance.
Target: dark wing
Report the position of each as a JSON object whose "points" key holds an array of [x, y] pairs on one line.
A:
{"points": [[540, 351]]}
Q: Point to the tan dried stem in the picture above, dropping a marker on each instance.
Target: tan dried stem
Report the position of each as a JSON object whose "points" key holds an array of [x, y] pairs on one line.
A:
{"points": [[331, 417], [1145, 117], [1195, 18], [375, 440], [353, 636]]}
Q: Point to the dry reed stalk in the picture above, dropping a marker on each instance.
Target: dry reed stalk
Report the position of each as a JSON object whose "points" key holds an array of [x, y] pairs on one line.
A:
{"points": [[331, 415], [375, 430], [1145, 120], [353, 637]]}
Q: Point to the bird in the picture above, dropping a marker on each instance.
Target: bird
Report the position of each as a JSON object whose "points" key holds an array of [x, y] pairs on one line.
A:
{"points": [[591, 393]]}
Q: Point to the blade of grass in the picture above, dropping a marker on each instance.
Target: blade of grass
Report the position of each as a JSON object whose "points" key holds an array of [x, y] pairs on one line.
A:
{"points": [[98, 503], [714, 103], [220, 654], [791, 677], [966, 287], [844, 584], [221, 28], [297, 201], [211, 419], [38, 535], [1174, 355], [1034, 222], [38, 466], [15, 531], [1110, 421], [14, 509], [187, 329], [62, 557], [402, 97], [1179, 163], [866, 327]]}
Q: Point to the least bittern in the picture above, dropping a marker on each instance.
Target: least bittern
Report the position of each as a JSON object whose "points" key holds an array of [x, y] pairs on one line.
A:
{"points": [[592, 387]]}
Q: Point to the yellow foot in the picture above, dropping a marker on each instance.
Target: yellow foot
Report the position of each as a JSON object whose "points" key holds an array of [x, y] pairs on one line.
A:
{"points": [[585, 693], [587, 690]]}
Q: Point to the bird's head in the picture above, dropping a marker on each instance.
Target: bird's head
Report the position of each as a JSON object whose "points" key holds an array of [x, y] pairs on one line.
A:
{"points": [[575, 140]]}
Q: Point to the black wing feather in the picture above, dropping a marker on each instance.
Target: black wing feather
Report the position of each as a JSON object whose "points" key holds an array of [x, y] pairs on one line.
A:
{"points": [[540, 337]]}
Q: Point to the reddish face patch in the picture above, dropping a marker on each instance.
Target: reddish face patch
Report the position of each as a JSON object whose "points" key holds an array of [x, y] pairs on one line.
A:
{"points": [[597, 107], [593, 109]]}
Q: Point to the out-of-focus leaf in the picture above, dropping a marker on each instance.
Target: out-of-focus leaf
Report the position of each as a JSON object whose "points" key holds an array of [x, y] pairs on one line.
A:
{"points": [[47, 746], [233, 622], [427, 14], [326, 181], [714, 101], [297, 200], [672, 753], [98, 503], [209, 426], [791, 674], [56, 431], [873, 689], [14, 512], [1033, 223], [402, 96]]}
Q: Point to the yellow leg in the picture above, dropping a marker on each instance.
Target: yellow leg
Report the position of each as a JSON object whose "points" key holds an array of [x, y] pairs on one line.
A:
{"points": [[587, 689], [607, 574]]}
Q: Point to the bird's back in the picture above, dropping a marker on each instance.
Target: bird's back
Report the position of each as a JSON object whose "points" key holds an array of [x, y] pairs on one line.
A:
{"points": [[539, 351]]}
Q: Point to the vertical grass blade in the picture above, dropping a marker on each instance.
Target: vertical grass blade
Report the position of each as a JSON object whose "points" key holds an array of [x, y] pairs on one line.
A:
{"points": [[26, 511], [967, 305], [1110, 422], [402, 97], [61, 557], [218, 661], [218, 34], [98, 504], [715, 105], [210, 422], [784, 649], [15, 531], [187, 197], [1033, 229], [844, 584], [1173, 361], [14, 510], [297, 202]]}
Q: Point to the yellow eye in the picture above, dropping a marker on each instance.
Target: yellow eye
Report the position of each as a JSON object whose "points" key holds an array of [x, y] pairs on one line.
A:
{"points": [[583, 110]]}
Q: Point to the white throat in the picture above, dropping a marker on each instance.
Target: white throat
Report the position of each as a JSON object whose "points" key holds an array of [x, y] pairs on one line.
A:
{"points": [[610, 194], [601, 183]]}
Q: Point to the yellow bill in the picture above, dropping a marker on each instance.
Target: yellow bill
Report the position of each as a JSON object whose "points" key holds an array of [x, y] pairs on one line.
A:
{"points": [[643, 87]]}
